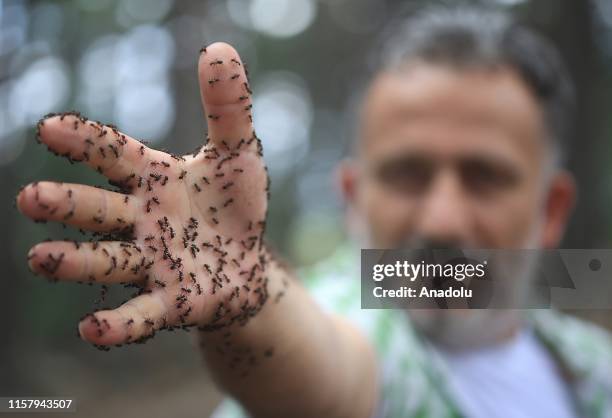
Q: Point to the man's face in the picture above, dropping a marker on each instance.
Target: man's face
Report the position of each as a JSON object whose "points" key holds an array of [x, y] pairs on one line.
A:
{"points": [[456, 156]]}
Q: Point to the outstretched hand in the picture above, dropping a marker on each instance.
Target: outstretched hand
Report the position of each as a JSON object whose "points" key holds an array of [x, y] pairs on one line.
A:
{"points": [[187, 231]]}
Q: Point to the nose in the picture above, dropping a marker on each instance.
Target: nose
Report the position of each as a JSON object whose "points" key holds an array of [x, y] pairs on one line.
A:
{"points": [[444, 213]]}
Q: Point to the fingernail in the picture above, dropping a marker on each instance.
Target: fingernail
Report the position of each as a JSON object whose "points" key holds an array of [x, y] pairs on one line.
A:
{"points": [[31, 255]]}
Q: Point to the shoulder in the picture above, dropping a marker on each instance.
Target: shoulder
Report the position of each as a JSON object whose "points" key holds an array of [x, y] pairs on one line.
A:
{"points": [[573, 333], [585, 348]]}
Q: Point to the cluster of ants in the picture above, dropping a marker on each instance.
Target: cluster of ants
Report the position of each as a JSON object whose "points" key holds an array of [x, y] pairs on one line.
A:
{"points": [[238, 266]]}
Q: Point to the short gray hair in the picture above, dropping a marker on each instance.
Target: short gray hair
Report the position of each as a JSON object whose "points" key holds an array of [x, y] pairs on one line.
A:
{"points": [[472, 37]]}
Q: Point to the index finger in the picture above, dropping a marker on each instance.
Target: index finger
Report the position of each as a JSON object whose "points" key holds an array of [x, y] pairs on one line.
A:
{"points": [[225, 93], [102, 147]]}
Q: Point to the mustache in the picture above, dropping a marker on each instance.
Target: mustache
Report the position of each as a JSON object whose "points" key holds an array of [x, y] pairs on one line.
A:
{"points": [[434, 251]]}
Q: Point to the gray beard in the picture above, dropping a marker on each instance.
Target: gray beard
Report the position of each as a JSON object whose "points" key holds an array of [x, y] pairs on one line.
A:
{"points": [[466, 329], [461, 329]]}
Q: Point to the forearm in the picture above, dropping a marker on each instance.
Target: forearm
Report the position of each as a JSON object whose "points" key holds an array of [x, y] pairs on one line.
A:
{"points": [[292, 359]]}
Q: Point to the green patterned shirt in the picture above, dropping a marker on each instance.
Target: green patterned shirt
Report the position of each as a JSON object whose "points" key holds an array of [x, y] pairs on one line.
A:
{"points": [[414, 379]]}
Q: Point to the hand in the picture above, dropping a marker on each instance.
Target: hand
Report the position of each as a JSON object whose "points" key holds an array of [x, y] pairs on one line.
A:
{"points": [[187, 231]]}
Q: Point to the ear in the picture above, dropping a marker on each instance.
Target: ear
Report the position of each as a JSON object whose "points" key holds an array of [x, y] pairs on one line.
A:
{"points": [[347, 177], [559, 205]]}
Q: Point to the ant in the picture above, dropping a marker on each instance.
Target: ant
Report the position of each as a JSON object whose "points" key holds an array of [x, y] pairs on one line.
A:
{"points": [[224, 160], [114, 149]]}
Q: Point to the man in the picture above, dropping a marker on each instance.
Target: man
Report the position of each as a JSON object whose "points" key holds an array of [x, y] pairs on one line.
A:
{"points": [[461, 134]]}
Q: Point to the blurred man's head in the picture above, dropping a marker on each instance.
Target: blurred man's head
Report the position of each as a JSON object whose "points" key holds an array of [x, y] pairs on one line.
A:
{"points": [[461, 136]]}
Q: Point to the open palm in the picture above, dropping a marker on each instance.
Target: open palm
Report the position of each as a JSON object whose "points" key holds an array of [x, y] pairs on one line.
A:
{"points": [[186, 230]]}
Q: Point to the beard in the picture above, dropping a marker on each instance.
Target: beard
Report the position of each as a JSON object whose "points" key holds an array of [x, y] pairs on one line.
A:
{"points": [[461, 329], [464, 329]]}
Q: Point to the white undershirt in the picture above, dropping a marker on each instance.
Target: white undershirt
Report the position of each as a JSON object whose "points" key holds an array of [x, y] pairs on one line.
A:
{"points": [[515, 380]]}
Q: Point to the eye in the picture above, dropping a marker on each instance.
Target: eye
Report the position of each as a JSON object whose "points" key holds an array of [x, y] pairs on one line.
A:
{"points": [[406, 175], [487, 177]]}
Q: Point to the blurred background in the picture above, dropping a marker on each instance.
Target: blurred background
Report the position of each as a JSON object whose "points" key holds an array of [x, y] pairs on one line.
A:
{"points": [[133, 63]]}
